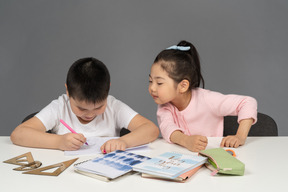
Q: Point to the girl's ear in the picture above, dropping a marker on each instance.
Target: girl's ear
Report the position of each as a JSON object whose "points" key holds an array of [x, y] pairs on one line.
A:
{"points": [[183, 86], [67, 93]]}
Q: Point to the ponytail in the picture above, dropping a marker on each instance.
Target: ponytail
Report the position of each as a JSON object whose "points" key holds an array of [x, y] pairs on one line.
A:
{"points": [[182, 62], [195, 61]]}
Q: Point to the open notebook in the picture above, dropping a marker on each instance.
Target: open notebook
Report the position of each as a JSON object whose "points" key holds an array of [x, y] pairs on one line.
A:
{"points": [[94, 147]]}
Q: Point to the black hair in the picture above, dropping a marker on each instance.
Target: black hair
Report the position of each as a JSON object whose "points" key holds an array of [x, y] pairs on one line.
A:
{"points": [[182, 64], [88, 79]]}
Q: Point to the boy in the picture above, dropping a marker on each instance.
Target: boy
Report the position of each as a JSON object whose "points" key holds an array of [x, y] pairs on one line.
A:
{"points": [[89, 110]]}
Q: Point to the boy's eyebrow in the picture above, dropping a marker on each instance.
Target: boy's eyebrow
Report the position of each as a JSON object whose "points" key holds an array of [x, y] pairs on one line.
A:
{"points": [[81, 108], [94, 108], [99, 106]]}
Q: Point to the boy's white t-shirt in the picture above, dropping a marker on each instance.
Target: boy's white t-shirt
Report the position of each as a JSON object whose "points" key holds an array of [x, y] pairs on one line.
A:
{"points": [[116, 116]]}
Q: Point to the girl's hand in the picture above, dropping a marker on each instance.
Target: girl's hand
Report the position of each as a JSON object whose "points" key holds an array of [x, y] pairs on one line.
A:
{"points": [[113, 145], [71, 141], [196, 143], [241, 135], [232, 141]]}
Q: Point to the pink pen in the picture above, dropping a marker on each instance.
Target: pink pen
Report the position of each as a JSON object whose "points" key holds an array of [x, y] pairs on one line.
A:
{"points": [[68, 127]]}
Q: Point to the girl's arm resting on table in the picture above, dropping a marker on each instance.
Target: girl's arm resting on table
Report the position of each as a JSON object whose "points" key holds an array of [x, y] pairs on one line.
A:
{"points": [[32, 133], [193, 143], [241, 135], [143, 131]]}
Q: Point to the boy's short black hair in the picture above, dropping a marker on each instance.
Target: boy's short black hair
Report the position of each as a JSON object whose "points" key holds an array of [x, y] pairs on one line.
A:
{"points": [[88, 79]]}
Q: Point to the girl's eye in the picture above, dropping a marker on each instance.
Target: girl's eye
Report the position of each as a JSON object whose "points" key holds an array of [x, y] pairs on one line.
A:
{"points": [[159, 83]]}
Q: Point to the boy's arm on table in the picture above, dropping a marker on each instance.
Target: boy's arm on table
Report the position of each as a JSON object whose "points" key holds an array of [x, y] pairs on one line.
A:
{"points": [[32, 133], [142, 132], [241, 135]]}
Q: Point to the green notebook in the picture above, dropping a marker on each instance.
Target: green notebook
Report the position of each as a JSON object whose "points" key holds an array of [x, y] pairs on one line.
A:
{"points": [[222, 162]]}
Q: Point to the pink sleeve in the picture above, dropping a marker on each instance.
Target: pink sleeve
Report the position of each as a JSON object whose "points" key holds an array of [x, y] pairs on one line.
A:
{"points": [[244, 107], [166, 121]]}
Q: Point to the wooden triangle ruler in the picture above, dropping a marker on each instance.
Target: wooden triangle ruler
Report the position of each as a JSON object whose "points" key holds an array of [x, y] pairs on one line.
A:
{"points": [[61, 167], [24, 159], [29, 166]]}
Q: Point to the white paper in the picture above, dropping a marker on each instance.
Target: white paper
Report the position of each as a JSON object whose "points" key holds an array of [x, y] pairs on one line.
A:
{"points": [[94, 144]]}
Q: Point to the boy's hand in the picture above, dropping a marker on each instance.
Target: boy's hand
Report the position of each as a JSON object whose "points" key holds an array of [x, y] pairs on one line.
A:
{"points": [[196, 143], [71, 141], [113, 145], [232, 141]]}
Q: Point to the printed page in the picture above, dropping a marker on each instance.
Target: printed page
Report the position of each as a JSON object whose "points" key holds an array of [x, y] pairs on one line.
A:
{"points": [[170, 164], [113, 164]]}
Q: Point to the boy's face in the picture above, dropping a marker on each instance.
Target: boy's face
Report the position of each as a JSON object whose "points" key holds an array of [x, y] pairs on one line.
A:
{"points": [[86, 112]]}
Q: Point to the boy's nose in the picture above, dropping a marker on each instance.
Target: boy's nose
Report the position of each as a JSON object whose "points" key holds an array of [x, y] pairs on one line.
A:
{"points": [[90, 114]]}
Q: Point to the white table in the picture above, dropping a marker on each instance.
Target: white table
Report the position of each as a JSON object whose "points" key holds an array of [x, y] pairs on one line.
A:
{"points": [[264, 157]]}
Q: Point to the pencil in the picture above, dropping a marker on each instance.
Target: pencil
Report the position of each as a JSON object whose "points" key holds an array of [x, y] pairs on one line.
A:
{"points": [[68, 127]]}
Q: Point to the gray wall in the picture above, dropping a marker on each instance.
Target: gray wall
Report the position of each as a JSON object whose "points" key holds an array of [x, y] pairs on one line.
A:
{"points": [[242, 45]]}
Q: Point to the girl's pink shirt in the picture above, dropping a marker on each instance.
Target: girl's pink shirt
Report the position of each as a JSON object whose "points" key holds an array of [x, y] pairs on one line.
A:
{"points": [[205, 113]]}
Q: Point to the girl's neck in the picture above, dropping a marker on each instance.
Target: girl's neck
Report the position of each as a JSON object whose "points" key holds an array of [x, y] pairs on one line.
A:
{"points": [[182, 101]]}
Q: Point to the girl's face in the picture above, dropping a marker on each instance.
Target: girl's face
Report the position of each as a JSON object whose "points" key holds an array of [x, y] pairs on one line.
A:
{"points": [[86, 112], [161, 87]]}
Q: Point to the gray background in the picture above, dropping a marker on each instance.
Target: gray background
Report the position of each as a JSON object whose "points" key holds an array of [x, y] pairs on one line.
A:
{"points": [[242, 44]]}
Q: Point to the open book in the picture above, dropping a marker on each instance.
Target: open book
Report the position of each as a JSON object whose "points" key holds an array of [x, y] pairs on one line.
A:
{"points": [[169, 165], [110, 166]]}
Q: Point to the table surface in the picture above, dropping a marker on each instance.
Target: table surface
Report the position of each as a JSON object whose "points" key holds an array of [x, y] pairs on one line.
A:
{"points": [[264, 157]]}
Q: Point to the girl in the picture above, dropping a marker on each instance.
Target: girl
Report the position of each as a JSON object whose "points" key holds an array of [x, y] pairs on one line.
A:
{"points": [[188, 114]]}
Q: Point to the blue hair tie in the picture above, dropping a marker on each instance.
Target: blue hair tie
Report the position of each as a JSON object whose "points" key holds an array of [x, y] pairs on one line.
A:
{"points": [[180, 48]]}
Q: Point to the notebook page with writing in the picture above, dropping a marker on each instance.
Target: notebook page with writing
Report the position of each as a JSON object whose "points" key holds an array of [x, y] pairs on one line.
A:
{"points": [[94, 147]]}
